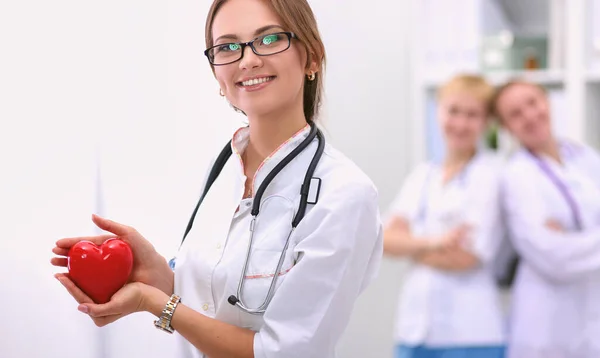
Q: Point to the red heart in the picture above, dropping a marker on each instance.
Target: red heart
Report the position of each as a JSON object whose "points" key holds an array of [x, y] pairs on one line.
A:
{"points": [[100, 271]]}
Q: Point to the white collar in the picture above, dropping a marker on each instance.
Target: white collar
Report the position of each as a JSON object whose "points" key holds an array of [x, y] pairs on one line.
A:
{"points": [[240, 141]]}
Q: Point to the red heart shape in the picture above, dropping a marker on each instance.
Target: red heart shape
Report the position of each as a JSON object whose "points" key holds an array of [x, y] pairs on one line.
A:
{"points": [[100, 271]]}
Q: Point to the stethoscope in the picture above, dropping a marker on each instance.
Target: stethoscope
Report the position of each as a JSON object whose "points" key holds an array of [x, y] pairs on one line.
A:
{"points": [[238, 299]]}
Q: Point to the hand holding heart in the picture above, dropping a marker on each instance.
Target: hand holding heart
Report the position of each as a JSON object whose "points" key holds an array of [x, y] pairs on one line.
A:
{"points": [[125, 301], [149, 271], [149, 266]]}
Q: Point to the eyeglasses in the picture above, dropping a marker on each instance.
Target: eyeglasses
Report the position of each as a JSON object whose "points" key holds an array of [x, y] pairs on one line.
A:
{"points": [[266, 45]]}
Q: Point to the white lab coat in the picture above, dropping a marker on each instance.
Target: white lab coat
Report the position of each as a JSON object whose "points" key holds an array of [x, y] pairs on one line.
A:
{"points": [[450, 309], [556, 299], [333, 255]]}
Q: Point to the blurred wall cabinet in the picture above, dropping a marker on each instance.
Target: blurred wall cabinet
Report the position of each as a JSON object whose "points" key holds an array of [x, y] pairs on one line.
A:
{"points": [[554, 43], [506, 51]]}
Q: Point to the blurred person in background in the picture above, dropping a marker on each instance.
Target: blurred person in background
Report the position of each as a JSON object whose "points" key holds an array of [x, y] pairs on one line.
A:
{"points": [[446, 221], [551, 199]]}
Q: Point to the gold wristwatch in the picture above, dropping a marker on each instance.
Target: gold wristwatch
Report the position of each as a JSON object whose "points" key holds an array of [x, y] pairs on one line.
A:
{"points": [[164, 321]]}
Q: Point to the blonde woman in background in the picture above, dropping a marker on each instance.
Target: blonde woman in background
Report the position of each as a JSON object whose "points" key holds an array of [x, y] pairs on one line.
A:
{"points": [[446, 221], [551, 196]]}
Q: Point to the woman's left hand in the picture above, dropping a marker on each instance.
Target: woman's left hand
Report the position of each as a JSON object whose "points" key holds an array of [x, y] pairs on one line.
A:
{"points": [[129, 299]]}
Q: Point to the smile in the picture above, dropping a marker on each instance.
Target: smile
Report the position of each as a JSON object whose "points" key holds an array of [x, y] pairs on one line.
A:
{"points": [[256, 81]]}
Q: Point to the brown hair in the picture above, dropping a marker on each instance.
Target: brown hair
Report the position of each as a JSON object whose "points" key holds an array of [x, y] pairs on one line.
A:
{"points": [[297, 17], [503, 88], [473, 85]]}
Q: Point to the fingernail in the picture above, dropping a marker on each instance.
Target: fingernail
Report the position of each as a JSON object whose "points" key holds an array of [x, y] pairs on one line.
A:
{"points": [[83, 309]]}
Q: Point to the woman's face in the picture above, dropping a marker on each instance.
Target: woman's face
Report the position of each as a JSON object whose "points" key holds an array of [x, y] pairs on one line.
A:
{"points": [[524, 112], [258, 84], [463, 119]]}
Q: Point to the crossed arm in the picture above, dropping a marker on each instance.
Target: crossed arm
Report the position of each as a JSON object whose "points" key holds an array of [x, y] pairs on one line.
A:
{"points": [[443, 253]]}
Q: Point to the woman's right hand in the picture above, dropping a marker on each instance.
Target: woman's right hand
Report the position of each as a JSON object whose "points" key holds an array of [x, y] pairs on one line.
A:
{"points": [[149, 266]]}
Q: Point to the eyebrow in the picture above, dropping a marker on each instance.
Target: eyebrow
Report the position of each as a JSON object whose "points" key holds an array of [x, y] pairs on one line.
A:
{"points": [[256, 33]]}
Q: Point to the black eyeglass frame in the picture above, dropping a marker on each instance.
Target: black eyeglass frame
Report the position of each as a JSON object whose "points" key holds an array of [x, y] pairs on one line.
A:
{"points": [[290, 36]]}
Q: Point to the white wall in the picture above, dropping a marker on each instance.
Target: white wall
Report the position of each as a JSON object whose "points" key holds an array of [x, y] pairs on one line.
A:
{"points": [[46, 102], [127, 81]]}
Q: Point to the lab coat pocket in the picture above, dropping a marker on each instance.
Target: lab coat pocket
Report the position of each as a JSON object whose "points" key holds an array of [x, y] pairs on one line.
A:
{"points": [[262, 269], [261, 274]]}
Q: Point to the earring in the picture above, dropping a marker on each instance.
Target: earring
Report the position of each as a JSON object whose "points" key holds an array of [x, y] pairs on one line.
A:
{"points": [[221, 93], [311, 77]]}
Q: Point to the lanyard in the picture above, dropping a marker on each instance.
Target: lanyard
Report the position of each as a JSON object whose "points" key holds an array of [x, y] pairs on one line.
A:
{"points": [[562, 188]]}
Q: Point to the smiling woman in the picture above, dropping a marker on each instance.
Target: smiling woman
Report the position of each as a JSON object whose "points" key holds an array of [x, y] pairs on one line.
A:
{"points": [[551, 187], [290, 236], [287, 22], [446, 221]]}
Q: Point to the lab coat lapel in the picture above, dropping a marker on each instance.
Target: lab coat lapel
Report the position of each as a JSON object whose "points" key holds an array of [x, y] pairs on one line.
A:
{"points": [[213, 220], [277, 156]]}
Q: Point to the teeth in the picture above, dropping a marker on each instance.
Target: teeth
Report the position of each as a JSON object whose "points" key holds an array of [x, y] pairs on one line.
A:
{"points": [[256, 81]]}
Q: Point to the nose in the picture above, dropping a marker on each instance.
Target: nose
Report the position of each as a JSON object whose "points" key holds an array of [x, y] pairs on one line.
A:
{"points": [[460, 122], [250, 59], [530, 113]]}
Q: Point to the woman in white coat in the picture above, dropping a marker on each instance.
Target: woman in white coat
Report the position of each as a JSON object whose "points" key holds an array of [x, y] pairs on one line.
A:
{"points": [[551, 195], [446, 221], [267, 57]]}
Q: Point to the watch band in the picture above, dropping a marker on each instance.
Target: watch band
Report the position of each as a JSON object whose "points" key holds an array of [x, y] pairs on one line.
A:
{"points": [[164, 321]]}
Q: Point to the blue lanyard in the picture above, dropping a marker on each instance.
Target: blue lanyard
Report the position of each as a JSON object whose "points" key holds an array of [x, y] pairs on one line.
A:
{"points": [[562, 188]]}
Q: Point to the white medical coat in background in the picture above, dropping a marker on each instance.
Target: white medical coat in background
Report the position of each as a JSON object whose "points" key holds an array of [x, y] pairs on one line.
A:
{"points": [[449, 309], [334, 253], [556, 299]]}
